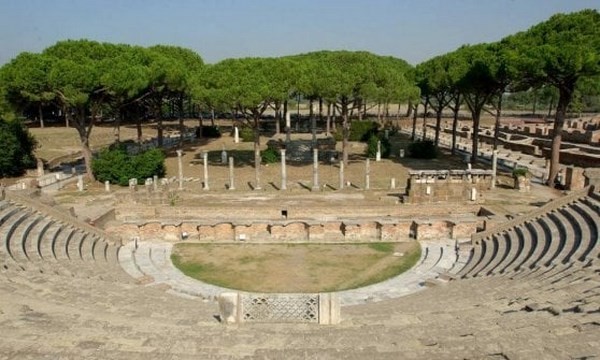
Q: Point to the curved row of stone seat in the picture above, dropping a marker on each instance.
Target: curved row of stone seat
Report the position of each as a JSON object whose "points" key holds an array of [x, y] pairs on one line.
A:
{"points": [[481, 318], [558, 238], [150, 263], [34, 241]]}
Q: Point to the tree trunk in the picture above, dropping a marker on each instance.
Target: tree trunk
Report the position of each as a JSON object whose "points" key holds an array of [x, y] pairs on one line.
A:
{"points": [[181, 125], [534, 103], [475, 143], [565, 96], [328, 120], [159, 126], [118, 121], [425, 118], [364, 104], [497, 125], [455, 124], [333, 118], [345, 133], [200, 124], [438, 123], [551, 106], [321, 109], [408, 110], [84, 132], [87, 158], [41, 114], [285, 110], [359, 110], [414, 127], [257, 151], [138, 126], [277, 117]]}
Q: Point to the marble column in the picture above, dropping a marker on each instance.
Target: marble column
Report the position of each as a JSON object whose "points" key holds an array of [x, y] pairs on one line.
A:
{"points": [[283, 171], [180, 167], [315, 185], [494, 167], [205, 164], [231, 179], [341, 175], [367, 174]]}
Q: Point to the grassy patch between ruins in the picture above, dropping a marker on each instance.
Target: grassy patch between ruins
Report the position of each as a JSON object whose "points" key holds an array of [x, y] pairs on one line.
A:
{"points": [[294, 267]]}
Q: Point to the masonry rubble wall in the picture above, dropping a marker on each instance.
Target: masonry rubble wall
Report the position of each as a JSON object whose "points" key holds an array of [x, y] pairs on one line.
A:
{"points": [[299, 231]]}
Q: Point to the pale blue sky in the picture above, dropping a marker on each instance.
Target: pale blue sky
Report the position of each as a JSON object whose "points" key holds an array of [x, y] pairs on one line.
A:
{"points": [[414, 30]]}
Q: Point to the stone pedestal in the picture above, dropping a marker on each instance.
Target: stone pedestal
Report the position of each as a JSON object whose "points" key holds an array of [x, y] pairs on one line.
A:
{"points": [[223, 156], [107, 186], [40, 167], [574, 179], [378, 154], [79, 182], [236, 135], [228, 308], [523, 183]]}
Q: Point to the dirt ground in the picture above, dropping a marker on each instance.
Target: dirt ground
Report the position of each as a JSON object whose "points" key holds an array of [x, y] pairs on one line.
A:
{"points": [[293, 268], [55, 141]]}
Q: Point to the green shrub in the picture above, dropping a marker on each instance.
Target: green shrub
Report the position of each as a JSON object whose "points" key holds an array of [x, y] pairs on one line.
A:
{"points": [[269, 156], [372, 147], [422, 150], [115, 165], [359, 131], [247, 134], [16, 152]]}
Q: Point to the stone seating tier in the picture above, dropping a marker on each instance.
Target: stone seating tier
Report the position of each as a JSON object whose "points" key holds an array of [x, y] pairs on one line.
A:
{"points": [[34, 242], [564, 236]]}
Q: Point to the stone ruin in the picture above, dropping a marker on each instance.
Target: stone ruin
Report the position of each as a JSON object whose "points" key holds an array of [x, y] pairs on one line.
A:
{"points": [[302, 150], [427, 186]]}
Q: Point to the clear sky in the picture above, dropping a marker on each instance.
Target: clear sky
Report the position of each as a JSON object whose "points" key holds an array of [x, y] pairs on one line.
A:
{"points": [[414, 30]]}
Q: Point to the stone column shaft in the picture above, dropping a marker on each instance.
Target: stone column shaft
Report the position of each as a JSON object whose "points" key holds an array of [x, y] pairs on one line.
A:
{"points": [[283, 169], [315, 185], [205, 164], [341, 175], [180, 168], [367, 174], [231, 179], [494, 167]]}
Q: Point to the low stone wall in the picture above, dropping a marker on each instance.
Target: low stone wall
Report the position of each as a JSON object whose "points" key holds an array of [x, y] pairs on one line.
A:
{"points": [[223, 213], [342, 231]]}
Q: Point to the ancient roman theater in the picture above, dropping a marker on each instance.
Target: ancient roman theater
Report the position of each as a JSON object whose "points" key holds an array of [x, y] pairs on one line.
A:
{"points": [[487, 284]]}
